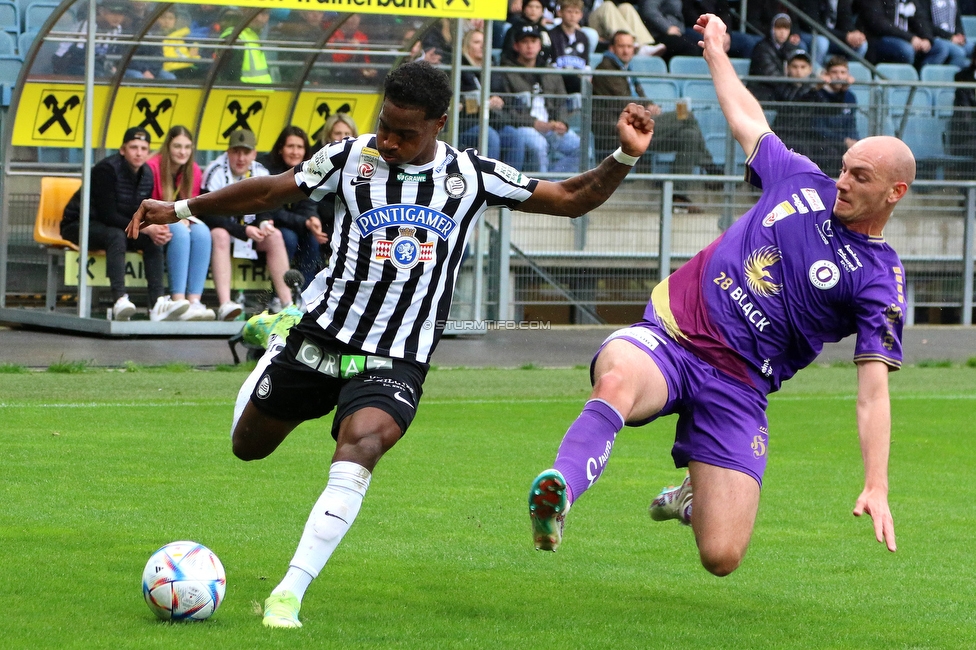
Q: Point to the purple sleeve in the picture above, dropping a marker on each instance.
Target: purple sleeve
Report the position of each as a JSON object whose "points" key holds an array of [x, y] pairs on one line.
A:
{"points": [[772, 161], [880, 319]]}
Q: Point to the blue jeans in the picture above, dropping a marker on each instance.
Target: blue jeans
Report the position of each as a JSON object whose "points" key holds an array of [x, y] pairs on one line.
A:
{"points": [[188, 257], [564, 151], [825, 47], [304, 251], [513, 147], [895, 50], [470, 138]]}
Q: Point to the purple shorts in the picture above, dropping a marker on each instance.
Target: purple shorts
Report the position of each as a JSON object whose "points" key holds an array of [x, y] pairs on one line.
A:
{"points": [[721, 421]]}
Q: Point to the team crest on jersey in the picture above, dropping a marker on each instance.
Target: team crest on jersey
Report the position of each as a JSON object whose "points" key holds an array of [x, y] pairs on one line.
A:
{"points": [[455, 185], [824, 274], [781, 211], [369, 158], [405, 251], [757, 271], [264, 387]]}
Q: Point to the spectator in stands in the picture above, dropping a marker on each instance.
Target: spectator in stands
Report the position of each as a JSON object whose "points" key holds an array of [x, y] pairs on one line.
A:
{"points": [[962, 126], [666, 22], [835, 123], [570, 46], [303, 28], [469, 131], [69, 58], [898, 32], [298, 222], [769, 58], [352, 68], [180, 56], [248, 65], [250, 233], [741, 44], [613, 16], [672, 132], [119, 184], [532, 16], [337, 127], [543, 119], [838, 17], [440, 38], [947, 27], [177, 176], [795, 114]]}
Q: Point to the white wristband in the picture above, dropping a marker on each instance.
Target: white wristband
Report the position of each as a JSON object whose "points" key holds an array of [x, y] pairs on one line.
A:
{"points": [[625, 159], [182, 208]]}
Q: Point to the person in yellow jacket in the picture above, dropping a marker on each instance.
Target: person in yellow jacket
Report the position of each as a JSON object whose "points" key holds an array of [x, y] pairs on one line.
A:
{"points": [[251, 61], [178, 54]]}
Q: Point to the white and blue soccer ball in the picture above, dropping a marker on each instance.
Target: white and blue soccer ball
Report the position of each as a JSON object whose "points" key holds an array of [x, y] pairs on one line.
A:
{"points": [[184, 581]]}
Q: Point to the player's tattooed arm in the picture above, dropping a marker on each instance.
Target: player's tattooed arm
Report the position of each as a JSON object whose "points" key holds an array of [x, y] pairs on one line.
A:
{"points": [[580, 194]]}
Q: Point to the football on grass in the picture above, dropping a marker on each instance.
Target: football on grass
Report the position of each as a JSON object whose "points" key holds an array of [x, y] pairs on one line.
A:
{"points": [[183, 581]]}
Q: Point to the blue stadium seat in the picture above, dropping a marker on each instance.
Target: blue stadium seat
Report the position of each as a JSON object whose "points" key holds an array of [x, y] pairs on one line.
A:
{"points": [[36, 13], [10, 69], [8, 46], [942, 100], [592, 36], [649, 65], [688, 65], [24, 42], [898, 98], [741, 65], [859, 71], [701, 93], [660, 91], [9, 17], [934, 72], [863, 94], [923, 135], [897, 71], [969, 26], [595, 59]]}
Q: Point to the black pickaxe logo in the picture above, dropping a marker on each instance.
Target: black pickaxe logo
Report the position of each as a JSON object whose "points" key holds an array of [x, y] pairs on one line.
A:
{"points": [[240, 118], [152, 113], [57, 113], [325, 111], [466, 3]]}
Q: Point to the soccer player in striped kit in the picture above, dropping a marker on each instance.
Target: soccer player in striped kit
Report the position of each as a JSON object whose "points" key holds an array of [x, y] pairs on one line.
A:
{"points": [[406, 206], [806, 265]]}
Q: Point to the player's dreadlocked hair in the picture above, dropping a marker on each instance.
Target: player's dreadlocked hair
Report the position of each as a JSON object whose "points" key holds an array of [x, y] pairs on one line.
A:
{"points": [[419, 85]]}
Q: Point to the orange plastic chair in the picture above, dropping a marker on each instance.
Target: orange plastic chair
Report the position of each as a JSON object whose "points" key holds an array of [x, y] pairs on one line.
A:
{"points": [[55, 194]]}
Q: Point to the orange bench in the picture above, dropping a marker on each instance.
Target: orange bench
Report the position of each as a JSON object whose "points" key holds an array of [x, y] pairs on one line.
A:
{"points": [[55, 193]]}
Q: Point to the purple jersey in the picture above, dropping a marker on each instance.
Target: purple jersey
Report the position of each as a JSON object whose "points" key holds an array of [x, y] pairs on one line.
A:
{"points": [[760, 301]]}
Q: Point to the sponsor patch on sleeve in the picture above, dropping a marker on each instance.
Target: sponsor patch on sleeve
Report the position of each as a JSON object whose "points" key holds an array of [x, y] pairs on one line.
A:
{"points": [[813, 199], [511, 174]]}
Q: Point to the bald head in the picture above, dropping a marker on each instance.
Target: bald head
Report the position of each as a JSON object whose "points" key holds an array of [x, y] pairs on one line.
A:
{"points": [[891, 156]]}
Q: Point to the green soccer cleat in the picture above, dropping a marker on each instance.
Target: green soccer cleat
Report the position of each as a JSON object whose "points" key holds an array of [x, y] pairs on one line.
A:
{"points": [[548, 505], [281, 610], [673, 503]]}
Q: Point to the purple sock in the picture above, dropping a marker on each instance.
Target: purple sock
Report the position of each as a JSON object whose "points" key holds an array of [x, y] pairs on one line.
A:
{"points": [[585, 448]]}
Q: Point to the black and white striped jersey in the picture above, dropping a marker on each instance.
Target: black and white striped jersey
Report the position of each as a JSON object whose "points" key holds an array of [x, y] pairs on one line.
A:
{"points": [[400, 232]]}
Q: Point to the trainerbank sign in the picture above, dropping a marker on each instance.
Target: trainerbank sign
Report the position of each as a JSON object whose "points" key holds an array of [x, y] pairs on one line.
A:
{"points": [[491, 9]]}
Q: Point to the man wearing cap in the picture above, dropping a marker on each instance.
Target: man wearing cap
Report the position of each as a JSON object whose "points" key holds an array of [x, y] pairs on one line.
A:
{"points": [[543, 119], [243, 234], [769, 57], [119, 184]]}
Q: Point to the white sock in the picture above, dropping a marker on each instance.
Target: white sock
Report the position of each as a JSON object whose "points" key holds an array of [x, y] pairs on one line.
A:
{"points": [[329, 521], [296, 581]]}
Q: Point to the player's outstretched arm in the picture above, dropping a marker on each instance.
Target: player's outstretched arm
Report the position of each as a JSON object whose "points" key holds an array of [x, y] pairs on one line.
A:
{"points": [[582, 193], [874, 432], [250, 196], [742, 111]]}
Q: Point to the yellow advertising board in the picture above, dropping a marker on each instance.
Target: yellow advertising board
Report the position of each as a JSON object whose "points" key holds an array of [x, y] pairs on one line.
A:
{"points": [[53, 115], [488, 9], [155, 109], [313, 109], [245, 274]]}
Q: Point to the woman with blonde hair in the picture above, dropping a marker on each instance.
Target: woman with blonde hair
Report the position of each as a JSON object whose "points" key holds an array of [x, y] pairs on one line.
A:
{"points": [[177, 176], [337, 127]]}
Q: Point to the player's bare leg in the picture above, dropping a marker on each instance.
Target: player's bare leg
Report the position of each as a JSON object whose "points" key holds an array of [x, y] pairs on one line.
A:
{"points": [[628, 387], [725, 505], [363, 438], [257, 435]]}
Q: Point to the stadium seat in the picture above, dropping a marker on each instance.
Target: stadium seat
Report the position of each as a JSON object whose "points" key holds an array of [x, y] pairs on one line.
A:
{"points": [[595, 59], [592, 36], [8, 47], [649, 65], [898, 99], [10, 66], [660, 91], [55, 194], [897, 71], [701, 93], [969, 26], [9, 17], [36, 13], [688, 65], [741, 66], [859, 71], [24, 42], [942, 100], [934, 72]]}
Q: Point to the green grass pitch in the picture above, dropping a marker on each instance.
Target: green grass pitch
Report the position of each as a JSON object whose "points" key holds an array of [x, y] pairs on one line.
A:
{"points": [[101, 468]]}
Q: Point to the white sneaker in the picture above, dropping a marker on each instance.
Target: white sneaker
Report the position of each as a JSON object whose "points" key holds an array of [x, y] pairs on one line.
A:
{"points": [[198, 311], [123, 309], [229, 310], [275, 305], [167, 309], [673, 503], [651, 50]]}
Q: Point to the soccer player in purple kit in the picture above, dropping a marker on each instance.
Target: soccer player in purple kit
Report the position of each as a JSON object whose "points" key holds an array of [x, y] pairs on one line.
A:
{"points": [[806, 265]]}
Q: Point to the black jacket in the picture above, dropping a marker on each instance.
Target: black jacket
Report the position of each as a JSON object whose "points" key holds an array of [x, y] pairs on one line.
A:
{"points": [[768, 61], [876, 18], [116, 192]]}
